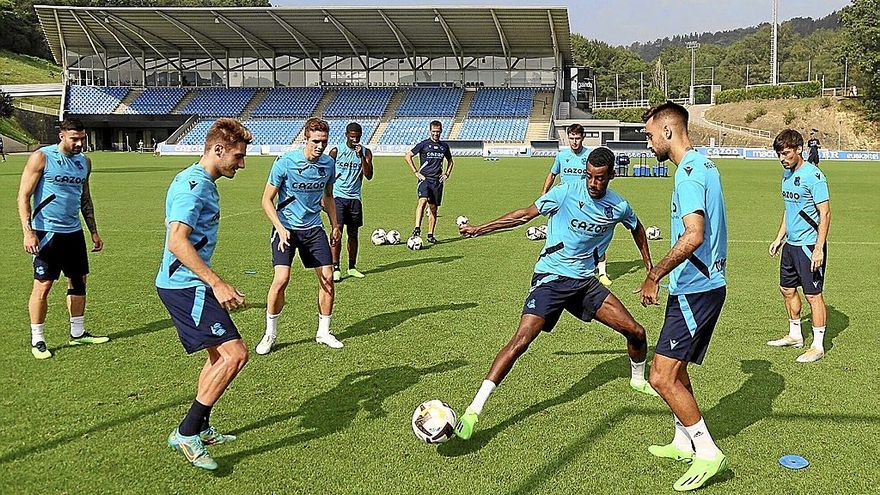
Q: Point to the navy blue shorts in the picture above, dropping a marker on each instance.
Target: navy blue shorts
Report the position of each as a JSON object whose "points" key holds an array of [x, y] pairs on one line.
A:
{"points": [[551, 294], [200, 320], [687, 328], [432, 189], [794, 269], [312, 244], [61, 252], [349, 212]]}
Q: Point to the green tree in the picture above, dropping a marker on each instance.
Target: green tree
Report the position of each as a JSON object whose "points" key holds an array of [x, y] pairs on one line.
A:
{"points": [[862, 27]]}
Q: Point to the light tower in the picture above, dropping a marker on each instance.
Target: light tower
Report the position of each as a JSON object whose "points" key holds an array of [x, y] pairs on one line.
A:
{"points": [[692, 46], [774, 45]]}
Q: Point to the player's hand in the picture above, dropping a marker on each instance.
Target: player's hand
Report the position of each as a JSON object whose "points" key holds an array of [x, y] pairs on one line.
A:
{"points": [[648, 292], [31, 243], [774, 247], [228, 296], [468, 231], [816, 259], [420, 176], [444, 178], [359, 150], [335, 236], [96, 240], [283, 239]]}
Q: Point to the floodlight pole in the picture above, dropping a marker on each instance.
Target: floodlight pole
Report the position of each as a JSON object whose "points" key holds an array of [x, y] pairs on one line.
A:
{"points": [[692, 46], [774, 45]]}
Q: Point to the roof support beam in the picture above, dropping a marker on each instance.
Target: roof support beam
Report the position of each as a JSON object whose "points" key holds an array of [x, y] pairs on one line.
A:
{"points": [[503, 39], [349, 37], [113, 34], [296, 35], [63, 44], [453, 41], [187, 30], [136, 31], [400, 39], [556, 53], [241, 33], [89, 37]]}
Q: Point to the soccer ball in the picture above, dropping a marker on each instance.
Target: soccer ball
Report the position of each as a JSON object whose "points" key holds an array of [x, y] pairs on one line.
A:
{"points": [[461, 221], [543, 229], [536, 233], [414, 243], [653, 233], [392, 237], [378, 237], [433, 422]]}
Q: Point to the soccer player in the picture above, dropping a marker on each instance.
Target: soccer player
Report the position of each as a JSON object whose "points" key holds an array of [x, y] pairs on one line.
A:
{"points": [[2, 152], [581, 220], [431, 177], [697, 288], [571, 166], [302, 180], [354, 162], [57, 177], [802, 235], [197, 298], [813, 144]]}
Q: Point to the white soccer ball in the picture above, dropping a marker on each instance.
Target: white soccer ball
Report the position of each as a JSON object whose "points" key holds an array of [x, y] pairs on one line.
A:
{"points": [[461, 221], [378, 237], [543, 229], [392, 237], [653, 233], [535, 234], [414, 243], [433, 421]]}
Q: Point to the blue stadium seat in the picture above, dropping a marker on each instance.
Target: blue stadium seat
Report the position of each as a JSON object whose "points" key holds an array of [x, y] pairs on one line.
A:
{"points": [[268, 131], [289, 102], [94, 99], [359, 102], [219, 102], [409, 130], [502, 102], [494, 129], [156, 101], [430, 102]]}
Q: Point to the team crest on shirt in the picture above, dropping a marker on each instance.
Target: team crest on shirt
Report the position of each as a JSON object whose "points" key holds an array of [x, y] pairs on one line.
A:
{"points": [[322, 172], [217, 329], [797, 181], [609, 211]]}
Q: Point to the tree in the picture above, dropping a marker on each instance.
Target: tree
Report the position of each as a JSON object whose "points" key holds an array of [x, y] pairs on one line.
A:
{"points": [[862, 28], [5, 104]]}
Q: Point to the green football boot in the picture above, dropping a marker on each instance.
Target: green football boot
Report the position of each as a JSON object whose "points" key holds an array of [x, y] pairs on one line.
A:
{"points": [[643, 387], [213, 437], [87, 338], [701, 471], [465, 427], [670, 451], [353, 272], [193, 449], [40, 351]]}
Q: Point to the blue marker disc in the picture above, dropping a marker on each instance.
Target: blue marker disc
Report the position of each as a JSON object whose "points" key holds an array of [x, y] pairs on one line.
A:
{"points": [[793, 462]]}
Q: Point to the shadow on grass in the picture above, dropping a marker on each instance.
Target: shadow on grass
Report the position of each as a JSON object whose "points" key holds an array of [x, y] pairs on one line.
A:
{"points": [[70, 437], [617, 269], [412, 262], [752, 402], [166, 323], [335, 409], [836, 322]]}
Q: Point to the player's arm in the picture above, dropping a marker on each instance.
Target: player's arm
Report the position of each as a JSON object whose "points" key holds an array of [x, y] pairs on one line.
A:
{"points": [[330, 208], [780, 237], [449, 165], [333, 152], [88, 210], [641, 240], [182, 249], [509, 220], [408, 157], [30, 177], [548, 183], [824, 224], [367, 163], [268, 204], [683, 248]]}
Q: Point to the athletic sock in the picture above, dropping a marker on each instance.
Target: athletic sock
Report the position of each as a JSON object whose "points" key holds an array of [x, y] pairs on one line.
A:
{"points": [[601, 267], [681, 440], [192, 422], [37, 333], [76, 326], [272, 324], [206, 420], [794, 329], [819, 337], [704, 446], [638, 370], [352, 265], [323, 324], [486, 389]]}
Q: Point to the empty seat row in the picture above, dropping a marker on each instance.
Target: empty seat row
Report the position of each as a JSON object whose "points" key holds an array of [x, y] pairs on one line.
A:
{"points": [[94, 99], [494, 129], [502, 102]]}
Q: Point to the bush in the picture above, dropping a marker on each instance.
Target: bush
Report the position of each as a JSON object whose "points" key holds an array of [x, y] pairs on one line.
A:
{"points": [[825, 102], [789, 116], [622, 114], [754, 114], [5, 105], [804, 90]]}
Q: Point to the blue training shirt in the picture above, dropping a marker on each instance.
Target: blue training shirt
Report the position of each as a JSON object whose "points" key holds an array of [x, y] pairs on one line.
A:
{"points": [[349, 173], [431, 157], [802, 190], [570, 166], [579, 228], [192, 199], [59, 192], [301, 186], [698, 188]]}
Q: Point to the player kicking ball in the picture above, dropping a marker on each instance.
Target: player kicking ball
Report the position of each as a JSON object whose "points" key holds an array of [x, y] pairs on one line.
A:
{"points": [[581, 220]]}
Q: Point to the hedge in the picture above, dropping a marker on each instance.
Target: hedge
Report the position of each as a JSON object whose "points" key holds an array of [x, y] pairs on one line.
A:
{"points": [[621, 114], [804, 90]]}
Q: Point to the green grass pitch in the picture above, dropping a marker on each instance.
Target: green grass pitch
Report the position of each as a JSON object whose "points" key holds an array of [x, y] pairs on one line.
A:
{"points": [[426, 325]]}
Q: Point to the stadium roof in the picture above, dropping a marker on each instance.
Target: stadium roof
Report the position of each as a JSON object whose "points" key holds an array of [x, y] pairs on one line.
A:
{"points": [[308, 33]]}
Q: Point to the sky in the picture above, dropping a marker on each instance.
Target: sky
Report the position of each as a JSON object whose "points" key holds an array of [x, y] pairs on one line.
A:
{"points": [[621, 22]]}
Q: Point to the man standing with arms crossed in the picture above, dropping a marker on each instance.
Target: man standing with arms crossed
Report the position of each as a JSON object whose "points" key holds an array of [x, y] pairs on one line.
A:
{"points": [[197, 299], [431, 153], [57, 177], [697, 288], [354, 162]]}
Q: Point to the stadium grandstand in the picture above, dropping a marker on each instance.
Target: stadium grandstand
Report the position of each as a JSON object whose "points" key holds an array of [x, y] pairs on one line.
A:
{"points": [[489, 74]]}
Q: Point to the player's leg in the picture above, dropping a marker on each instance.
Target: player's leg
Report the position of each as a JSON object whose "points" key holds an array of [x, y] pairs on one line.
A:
{"points": [[614, 314], [75, 265], [789, 280], [354, 221], [432, 222], [315, 253], [420, 208], [602, 269], [281, 261], [38, 306], [341, 207], [529, 327], [812, 286]]}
